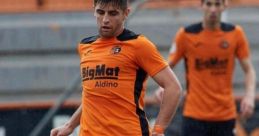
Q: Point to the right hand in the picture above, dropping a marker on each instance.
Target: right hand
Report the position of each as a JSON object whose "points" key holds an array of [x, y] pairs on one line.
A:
{"points": [[61, 131], [159, 94], [155, 134]]}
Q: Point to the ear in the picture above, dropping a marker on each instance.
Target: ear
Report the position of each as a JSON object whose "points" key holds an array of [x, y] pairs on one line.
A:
{"points": [[94, 12], [127, 12], [226, 3], [200, 7]]}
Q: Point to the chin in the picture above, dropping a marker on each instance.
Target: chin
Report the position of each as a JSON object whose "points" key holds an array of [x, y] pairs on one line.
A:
{"points": [[107, 35], [213, 21]]}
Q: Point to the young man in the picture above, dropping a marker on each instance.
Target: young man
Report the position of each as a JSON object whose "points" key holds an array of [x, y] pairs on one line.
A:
{"points": [[114, 68], [209, 49]]}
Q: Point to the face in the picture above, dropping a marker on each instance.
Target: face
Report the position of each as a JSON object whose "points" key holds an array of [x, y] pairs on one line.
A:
{"points": [[212, 10], [110, 20]]}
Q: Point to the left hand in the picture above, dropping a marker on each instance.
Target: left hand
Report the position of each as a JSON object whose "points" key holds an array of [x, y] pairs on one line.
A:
{"points": [[155, 134], [247, 106], [158, 130]]}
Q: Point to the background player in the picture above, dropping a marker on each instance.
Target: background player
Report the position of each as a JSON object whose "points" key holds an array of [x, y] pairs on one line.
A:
{"points": [[209, 49]]}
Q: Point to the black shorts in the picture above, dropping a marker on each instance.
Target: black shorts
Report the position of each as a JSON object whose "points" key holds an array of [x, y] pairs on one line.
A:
{"points": [[193, 127]]}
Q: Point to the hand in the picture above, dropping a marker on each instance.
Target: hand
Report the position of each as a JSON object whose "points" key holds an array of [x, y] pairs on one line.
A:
{"points": [[61, 131], [247, 106], [159, 94], [155, 134], [158, 130]]}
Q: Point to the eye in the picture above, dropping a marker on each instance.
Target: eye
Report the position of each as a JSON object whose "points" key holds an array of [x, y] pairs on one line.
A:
{"points": [[100, 12], [209, 4], [113, 13], [218, 4]]}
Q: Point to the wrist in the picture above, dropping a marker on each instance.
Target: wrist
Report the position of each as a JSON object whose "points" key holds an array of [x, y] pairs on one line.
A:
{"points": [[251, 96], [68, 125], [158, 129]]}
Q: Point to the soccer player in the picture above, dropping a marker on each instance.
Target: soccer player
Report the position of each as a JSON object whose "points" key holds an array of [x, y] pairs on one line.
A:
{"points": [[209, 49], [114, 67]]}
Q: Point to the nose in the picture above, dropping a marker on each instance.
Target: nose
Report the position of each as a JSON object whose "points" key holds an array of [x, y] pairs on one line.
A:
{"points": [[213, 8], [106, 19]]}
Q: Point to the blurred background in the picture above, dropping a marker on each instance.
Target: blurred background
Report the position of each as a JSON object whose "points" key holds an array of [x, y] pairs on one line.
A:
{"points": [[40, 84]]}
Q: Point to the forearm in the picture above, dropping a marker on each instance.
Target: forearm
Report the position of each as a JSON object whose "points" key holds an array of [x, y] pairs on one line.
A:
{"points": [[250, 77], [250, 83], [168, 106], [75, 119]]}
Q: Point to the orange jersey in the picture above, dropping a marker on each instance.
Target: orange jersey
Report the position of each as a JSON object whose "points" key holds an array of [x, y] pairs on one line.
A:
{"points": [[114, 74], [209, 59]]}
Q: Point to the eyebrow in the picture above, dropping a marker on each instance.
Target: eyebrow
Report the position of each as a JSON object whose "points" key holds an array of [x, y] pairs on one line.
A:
{"points": [[109, 11], [113, 11]]}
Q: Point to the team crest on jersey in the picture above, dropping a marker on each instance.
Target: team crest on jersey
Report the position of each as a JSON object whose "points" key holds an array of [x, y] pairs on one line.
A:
{"points": [[198, 44], [224, 44], [116, 49], [87, 52]]}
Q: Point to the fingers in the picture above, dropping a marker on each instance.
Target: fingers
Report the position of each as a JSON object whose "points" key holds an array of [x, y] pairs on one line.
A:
{"points": [[155, 134], [246, 109], [56, 132], [53, 132], [159, 95], [246, 113]]}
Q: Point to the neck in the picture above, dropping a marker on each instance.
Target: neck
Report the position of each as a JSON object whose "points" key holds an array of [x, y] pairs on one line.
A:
{"points": [[119, 32], [210, 25]]}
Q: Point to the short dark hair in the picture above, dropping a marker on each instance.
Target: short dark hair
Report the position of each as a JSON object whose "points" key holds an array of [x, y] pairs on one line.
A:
{"points": [[121, 4], [202, 1]]}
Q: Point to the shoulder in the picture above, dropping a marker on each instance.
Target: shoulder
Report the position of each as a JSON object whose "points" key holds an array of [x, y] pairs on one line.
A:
{"points": [[136, 40], [227, 27], [127, 35], [193, 28], [89, 40], [197, 27], [239, 29]]}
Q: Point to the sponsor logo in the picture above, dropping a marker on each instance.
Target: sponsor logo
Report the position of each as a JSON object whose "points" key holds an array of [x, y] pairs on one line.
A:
{"points": [[100, 72], [215, 65], [211, 63], [100, 84]]}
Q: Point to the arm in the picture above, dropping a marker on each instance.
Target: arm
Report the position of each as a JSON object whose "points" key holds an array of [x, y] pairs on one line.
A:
{"points": [[156, 97], [171, 96], [176, 53], [69, 127], [248, 101]]}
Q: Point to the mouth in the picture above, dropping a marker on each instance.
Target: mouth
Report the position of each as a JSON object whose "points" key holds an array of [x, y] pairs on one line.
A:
{"points": [[213, 16], [106, 28]]}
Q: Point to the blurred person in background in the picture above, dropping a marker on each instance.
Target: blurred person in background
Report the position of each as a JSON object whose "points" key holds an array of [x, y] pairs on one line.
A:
{"points": [[114, 68], [209, 49]]}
